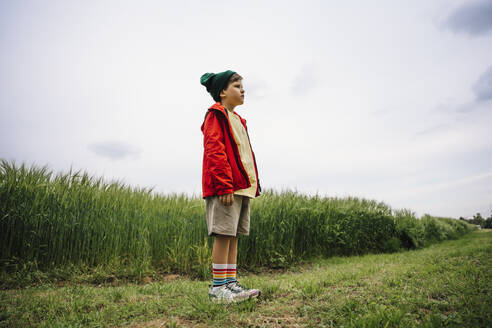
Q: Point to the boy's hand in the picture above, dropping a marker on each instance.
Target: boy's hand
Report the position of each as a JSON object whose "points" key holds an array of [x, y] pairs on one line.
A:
{"points": [[227, 200]]}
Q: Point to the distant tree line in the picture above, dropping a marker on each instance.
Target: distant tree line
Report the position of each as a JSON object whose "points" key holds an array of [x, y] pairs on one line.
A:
{"points": [[479, 220]]}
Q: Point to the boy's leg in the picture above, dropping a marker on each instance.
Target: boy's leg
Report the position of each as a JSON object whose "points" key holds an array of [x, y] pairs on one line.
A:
{"points": [[231, 260], [220, 252], [232, 255], [243, 228]]}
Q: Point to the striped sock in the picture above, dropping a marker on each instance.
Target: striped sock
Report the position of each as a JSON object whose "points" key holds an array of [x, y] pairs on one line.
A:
{"points": [[219, 274], [231, 273]]}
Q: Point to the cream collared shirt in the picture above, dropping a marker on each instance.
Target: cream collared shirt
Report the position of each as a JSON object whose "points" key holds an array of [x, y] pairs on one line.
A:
{"points": [[245, 153]]}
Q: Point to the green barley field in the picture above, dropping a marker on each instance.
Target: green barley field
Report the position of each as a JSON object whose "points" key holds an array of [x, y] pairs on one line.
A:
{"points": [[80, 251], [62, 226]]}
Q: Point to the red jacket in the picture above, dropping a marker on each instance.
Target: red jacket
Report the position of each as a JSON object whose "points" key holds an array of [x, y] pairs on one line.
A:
{"points": [[223, 170]]}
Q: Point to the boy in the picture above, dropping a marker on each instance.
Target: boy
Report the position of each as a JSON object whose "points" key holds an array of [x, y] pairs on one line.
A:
{"points": [[230, 179]]}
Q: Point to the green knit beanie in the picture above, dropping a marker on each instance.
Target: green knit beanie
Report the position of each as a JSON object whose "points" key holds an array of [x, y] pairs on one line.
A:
{"points": [[215, 83]]}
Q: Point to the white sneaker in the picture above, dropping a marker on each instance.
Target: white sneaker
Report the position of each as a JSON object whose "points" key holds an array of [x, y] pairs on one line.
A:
{"points": [[239, 289], [222, 294]]}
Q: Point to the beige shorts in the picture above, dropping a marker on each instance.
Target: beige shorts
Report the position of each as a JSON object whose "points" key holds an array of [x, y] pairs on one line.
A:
{"points": [[227, 220]]}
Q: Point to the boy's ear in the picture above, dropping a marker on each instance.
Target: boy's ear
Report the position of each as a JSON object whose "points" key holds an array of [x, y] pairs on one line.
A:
{"points": [[222, 94]]}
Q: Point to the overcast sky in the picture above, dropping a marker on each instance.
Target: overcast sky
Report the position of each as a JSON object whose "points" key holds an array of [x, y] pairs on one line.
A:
{"points": [[386, 100]]}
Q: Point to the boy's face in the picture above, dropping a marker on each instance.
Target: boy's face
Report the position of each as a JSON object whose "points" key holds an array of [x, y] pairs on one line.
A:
{"points": [[234, 94]]}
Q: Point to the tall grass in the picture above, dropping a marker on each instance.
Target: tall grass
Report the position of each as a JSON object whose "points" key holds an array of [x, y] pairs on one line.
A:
{"points": [[52, 220]]}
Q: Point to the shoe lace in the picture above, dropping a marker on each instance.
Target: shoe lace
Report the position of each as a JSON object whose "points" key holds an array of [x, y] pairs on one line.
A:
{"points": [[238, 285]]}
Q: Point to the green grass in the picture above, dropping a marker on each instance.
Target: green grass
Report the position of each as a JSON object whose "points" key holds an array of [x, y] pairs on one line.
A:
{"points": [[64, 226], [448, 284]]}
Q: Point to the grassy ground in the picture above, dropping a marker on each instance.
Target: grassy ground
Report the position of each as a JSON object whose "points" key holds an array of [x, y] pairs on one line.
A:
{"points": [[444, 285]]}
